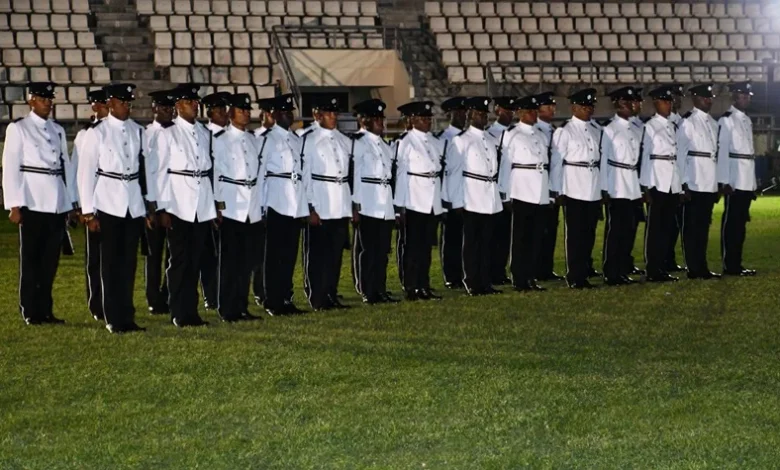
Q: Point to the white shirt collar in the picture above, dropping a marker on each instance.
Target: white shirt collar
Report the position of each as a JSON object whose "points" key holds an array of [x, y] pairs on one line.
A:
{"points": [[658, 116], [419, 133], [182, 122], [734, 110], [114, 121], [499, 126], [579, 121], [39, 121], [544, 125], [625, 122], [526, 127]]}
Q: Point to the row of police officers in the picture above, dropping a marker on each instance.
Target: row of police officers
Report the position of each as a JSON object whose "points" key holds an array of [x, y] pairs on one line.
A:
{"points": [[224, 207]]}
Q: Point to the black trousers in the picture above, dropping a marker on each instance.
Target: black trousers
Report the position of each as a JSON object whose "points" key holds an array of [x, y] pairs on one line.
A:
{"points": [[502, 235], [639, 217], [697, 217], [529, 225], [580, 221], [281, 252], [208, 268], [619, 226], [450, 247], [158, 256], [370, 255], [257, 249], [356, 250], [92, 268], [118, 262], [476, 251], [418, 239], [323, 248], [235, 260], [546, 257], [661, 223], [671, 254], [736, 215], [40, 240], [185, 243]]}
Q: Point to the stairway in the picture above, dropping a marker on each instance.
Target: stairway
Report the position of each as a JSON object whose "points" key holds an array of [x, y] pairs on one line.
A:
{"points": [[128, 51]]}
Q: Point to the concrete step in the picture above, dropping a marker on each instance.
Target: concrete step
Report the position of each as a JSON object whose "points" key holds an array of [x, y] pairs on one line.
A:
{"points": [[130, 55], [146, 73], [127, 24], [122, 41], [117, 15]]}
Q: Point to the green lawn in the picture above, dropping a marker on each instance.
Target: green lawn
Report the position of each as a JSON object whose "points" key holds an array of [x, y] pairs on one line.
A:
{"points": [[646, 376]]}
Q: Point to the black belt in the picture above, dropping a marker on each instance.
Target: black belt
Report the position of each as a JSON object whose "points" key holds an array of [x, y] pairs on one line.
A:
{"points": [[590, 165], [118, 176], [248, 183], [191, 173], [291, 176], [691, 153], [624, 166], [530, 166], [476, 176], [743, 156], [670, 158], [369, 180], [42, 170], [330, 179], [433, 174]]}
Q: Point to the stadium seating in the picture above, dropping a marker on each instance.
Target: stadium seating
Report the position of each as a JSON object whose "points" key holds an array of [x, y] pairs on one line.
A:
{"points": [[48, 40], [230, 42], [471, 35]]}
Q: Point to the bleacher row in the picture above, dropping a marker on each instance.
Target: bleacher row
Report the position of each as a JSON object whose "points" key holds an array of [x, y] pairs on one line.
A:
{"points": [[471, 35], [314, 8], [44, 6]]}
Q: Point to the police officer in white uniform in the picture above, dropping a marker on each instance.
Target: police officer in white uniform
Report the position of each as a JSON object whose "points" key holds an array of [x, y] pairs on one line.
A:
{"points": [[97, 99], [640, 216], [406, 123], [574, 174], [736, 176], [216, 105], [471, 182], [237, 166], [39, 190], [660, 181], [186, 198], [451, 238], [372, 202], [156, 283], [326, 180], [524, 183], [545, 263], [286, 206], [620, 147], [503, 108], [697, 154], [112, 183], [418, 198], [671, 265]]}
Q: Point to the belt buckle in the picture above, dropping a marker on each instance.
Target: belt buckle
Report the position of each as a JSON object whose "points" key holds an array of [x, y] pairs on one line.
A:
{"points": [[294, 177], [196, 173], [384, 181], [125, 177], [540, 167]]}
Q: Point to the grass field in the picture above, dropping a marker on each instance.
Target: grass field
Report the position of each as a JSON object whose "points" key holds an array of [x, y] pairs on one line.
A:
{"points": [[647, 376]]}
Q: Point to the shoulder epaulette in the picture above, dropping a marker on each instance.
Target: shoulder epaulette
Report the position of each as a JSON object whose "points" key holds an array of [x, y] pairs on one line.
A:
{"points": [[564, 123], [87, 125], [595, 126], [308, 131], [462, 132], [726, 114], [401, 137], [438, 134], [56, 122], [216, 136], [265, 132], [646, 118], [604, 123], [96, 123], [687, 115], [357, 135], [167, 125], [18, 119], [510, 128]]}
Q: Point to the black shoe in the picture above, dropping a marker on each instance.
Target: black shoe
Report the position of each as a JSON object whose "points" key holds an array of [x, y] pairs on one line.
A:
{"points": [[98, 317], [741, 273], [246, 316], [618, 281], [453, 285], [551, 276], [133, 327], [209, 305], [33, 321], [593, 273], [230, 319], [674, 268], [430, 295], [501, 281], [115, 329], [475, 293], [637, 272], [290, 308], [373, 300], [665, 277], [705, 275], [197, 321], [387, 299], [336, 303], [159, 310], [582, 285], [273, 312], [493, 291], [259, 301], [532, 285], [629, 280], [412, 296], [52, 320]]}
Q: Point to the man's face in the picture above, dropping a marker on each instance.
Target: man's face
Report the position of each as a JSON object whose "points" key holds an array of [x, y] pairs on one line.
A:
{"points": [[422, 123], [119, 109], [705, 104], [458, 118], [546, 112], [374, 125], [240, 117], [188, 109], [40, 106], [741, 101], [676, 103], [636, 107], [478, 118], [218, 115], [663, 107], [100, 110], [503, 115], [624, 108], [528, 116], [328, 119], [283, 118], [582, 112], [163, 113], [268, 120]]}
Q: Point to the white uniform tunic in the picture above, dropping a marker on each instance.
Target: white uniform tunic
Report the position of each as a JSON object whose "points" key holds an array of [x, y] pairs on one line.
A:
{"points": [[736, 159], [184, 147], [575, 160], [620, 146], [281, 166], [373, 162], [445, 137], [109, 169], [472, 172], [34, 156], [697, 146], [326, 173], [237, 167], [547, 129], [418, 177], [525, 168], [659, 156]]}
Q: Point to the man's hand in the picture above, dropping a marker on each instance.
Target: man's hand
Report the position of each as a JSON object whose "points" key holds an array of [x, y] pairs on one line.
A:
{"points": [[507, 204], [217, 221], [151, 221], [685, 196], [726, 189], [400, 219], [16, 215], [93, 224], [165, 220], [646, 197], [314, 218], [605, 196], [355, 217]]}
